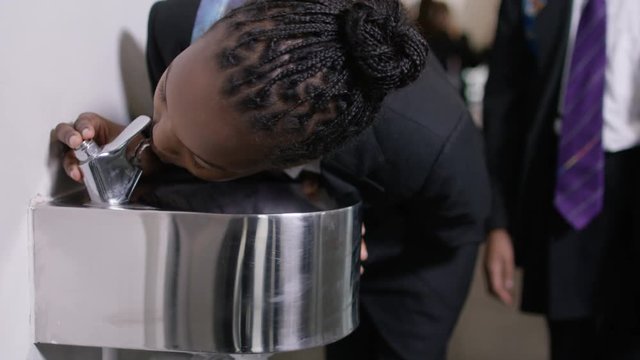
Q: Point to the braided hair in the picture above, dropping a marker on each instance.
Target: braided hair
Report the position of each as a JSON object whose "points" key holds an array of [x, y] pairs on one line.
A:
{"points": [[315, 72]]}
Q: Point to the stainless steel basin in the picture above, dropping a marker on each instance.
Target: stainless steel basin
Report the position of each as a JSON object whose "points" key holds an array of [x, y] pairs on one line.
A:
{"points": [[141, 278]]}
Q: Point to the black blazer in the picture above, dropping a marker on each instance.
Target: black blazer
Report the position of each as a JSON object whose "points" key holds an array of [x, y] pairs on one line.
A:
{"points": [[521, 106], [421, 172]]}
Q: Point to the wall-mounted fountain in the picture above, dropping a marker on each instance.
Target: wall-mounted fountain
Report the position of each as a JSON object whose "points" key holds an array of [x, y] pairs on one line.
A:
{"points": [[269, 271]]}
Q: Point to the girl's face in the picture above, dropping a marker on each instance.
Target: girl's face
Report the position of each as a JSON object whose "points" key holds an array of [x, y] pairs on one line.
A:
{"points": [[196, 128]]}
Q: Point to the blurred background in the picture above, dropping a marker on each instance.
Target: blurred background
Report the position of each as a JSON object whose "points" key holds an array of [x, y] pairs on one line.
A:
{"points": [[58, 59]]}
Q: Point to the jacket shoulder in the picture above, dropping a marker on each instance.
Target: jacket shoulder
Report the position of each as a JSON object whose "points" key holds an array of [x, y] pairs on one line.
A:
{"points": [[174, 18], [416, 124], [430, 103]]}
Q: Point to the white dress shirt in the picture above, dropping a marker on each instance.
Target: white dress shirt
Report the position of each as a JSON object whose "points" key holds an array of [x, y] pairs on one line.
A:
{"points": [[621, 105]]}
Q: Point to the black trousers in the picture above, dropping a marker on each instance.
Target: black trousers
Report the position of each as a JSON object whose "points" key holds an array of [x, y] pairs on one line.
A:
{"points": [[589, 339], [364, 343]]}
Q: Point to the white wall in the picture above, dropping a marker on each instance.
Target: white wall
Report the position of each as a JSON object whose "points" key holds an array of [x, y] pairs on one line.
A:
{"points": [[57, 59], [477, 18]]}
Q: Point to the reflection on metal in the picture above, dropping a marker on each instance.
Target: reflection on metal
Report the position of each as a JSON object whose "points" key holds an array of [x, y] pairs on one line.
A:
{"points": [[194, 282]]}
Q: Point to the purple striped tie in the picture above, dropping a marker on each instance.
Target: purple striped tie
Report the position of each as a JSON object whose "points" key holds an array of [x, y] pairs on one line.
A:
{"points": [[580, 178]]}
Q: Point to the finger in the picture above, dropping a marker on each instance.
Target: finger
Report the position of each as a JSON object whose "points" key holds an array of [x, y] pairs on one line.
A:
{"points": [[364, 254], [70, 165], [361, 270], [67, 135], [364, 230], [497, 284], [506, 283], [508, 270], [492, 279], [88, 124]]}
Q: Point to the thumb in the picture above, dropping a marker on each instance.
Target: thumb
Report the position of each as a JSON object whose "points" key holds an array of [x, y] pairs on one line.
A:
{"points": [[94, 126]]}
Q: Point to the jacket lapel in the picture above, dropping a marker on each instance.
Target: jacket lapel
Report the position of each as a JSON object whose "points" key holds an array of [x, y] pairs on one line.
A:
{"points": [[551, 32]]}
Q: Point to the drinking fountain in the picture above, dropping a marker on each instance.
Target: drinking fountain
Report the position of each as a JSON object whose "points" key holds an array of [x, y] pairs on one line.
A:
{"points": [[249, 267]]}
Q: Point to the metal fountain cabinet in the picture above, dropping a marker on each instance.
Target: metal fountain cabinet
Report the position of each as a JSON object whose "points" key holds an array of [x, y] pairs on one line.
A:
{"points": [[135, 277]]}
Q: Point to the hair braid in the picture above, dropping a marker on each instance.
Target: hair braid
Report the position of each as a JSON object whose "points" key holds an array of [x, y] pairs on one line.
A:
{"points": [[317, 69]]}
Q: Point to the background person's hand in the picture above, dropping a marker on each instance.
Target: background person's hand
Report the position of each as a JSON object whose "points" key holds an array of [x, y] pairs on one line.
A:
{"points": [[363, 250], [499, 265], [87, 126]]}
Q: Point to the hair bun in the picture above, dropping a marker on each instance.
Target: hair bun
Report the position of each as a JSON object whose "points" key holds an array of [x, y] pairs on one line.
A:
{"points": [[387, 51]]}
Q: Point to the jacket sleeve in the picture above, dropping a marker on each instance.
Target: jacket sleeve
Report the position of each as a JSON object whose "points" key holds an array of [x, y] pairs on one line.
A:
{"points": [[155, 62], [503, 129], [456, 192]]}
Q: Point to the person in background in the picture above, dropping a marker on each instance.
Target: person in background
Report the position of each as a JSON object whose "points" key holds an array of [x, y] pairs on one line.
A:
{"points": [[562, 127], [447, 42]]}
